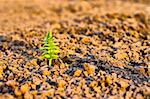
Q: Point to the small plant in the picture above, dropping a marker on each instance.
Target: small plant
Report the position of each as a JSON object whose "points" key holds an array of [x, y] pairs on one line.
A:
{"points": [[50, 49]]}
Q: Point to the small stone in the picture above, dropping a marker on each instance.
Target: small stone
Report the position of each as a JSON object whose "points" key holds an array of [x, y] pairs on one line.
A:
{"points": [[61, 83], [34, 93], [48, 93], [11, 83], [109, 79], [46, 72], [121, 56], [7, 96], [33, 86], [85, 73], [17, 92], [30, 52], [77, 72], [85, 40], [27, 95], [124, 84], [93, 84], [34, 62], [24, 88], [89, 68]]}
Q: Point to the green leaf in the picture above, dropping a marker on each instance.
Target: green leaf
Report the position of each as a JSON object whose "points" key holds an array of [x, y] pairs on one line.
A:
{"points": [[50, 48], [47, 56], [46, 52], [48, 37], [54, 56], [55, 51], [49, 45]]}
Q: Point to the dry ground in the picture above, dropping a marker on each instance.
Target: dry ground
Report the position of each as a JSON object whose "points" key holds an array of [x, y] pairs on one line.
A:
{"points": [[104, 46]]}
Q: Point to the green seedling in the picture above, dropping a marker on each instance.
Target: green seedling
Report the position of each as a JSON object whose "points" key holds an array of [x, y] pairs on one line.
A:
{"points": [[50, 49]]}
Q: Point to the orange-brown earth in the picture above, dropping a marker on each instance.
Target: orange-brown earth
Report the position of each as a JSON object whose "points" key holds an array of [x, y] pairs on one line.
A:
{"points": [[104, 49]]}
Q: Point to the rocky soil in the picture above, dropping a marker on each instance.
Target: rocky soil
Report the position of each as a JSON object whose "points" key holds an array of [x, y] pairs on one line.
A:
{"points": [[104, 49]]}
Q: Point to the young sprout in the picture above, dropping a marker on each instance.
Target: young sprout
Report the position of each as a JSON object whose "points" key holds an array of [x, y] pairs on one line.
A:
{"points": [[50, 49]]}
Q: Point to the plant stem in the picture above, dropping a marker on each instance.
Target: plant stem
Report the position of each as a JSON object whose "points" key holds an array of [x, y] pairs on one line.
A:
{"points": [[50, 62]]}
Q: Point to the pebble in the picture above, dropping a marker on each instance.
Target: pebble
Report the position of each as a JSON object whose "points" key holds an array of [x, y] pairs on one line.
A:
{"points": [[89, 68], [77, 73]]}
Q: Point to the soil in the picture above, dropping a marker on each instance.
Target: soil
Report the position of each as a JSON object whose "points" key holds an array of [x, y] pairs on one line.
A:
{"points": [[104, 49]]}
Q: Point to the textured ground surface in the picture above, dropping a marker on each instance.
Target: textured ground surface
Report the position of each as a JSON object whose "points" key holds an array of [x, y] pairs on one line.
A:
{"points": [[105, 49]]}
